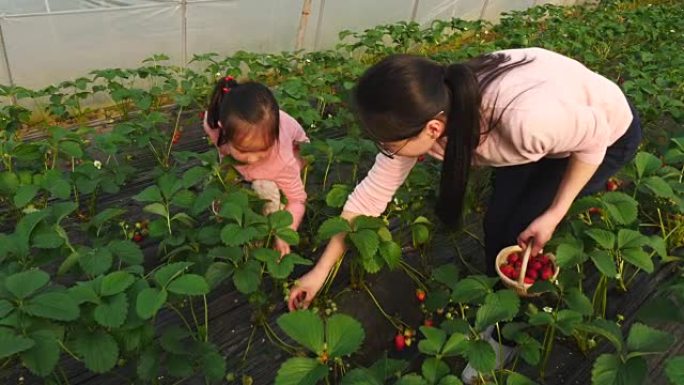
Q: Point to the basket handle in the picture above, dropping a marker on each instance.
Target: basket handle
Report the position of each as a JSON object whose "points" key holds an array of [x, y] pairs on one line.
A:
{"points": [[526, 258]]}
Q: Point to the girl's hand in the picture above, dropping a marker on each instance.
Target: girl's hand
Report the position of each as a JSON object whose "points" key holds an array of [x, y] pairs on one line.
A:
{"points": [[540, 230], [282, 247], [306, 288]]}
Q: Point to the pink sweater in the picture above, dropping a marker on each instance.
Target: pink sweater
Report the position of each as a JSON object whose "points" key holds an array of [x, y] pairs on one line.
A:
{"points": [[565, 109], [283, 165]]}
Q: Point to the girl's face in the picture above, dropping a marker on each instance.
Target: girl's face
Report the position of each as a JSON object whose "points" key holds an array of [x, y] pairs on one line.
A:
{"points": [[248, 155], [417, 145], [252, 147]]}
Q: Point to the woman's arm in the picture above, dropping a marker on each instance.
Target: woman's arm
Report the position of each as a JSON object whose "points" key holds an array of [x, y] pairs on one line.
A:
{"points": [[307, 286], [541, 229]]}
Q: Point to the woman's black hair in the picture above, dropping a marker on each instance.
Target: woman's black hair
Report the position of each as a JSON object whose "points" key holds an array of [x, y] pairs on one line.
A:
{"points": [[232, 103], [396, 97]]}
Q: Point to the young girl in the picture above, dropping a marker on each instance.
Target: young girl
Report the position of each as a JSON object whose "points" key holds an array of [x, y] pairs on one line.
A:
{"points": [[244, 121], [551, 128]]}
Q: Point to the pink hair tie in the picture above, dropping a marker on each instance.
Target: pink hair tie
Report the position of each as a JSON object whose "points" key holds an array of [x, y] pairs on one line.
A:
{"points": [[229, 78], [226, 90]]}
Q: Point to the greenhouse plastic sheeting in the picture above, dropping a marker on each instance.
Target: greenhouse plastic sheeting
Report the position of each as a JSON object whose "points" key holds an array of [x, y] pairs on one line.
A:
{"points": [[49, 48], [48, 41]]}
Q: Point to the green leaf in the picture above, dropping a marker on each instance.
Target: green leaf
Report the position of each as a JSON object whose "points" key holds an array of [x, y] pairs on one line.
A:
{"points": [[183, 199], [306, 328], [280, 219], [247, 277], [218, 272], [450, 380], [106, 215], [567, 320], [638, 258], [364, 222], [500, 306], [189, 284], [11, 344], [150, 194], [446, 274], [213, 364], [603, 238], [361, 376], [280, 269], [47, 237], [646, 163], [116, 282], [659, 187], [112, 311], [411, 379], [234, 235], [578, 302], [337, 196], [481, 356], [621, 208], [288, 235], [5, 307], [420, 234], [301, 371], [25, 194], [232, 211], [53, 305], [631, 239], [43, 356], [658, 244], [148, 363], [165, 274], [331, 227], [604, 262], [433, 342], [606, 329], [83, 292], [126, 251], [149, 301], [610, 370], [391, 253], [518, 379], [470, 289], [366, 242], [644, 339], [530, 349], [174, 340], [569, 254], [343, 334], [95, 261], [56, 184], [454, 345], [434, 369], [71, 148], [23, 284], [98, 349], [194, 175], [156, 208], [674, 369]]}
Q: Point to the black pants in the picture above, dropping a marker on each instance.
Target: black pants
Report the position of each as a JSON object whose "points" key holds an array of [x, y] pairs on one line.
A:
{"points": [[522, 193]]}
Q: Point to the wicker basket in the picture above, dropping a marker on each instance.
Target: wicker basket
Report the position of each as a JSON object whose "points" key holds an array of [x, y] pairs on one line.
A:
{"points": [[519, 286]]}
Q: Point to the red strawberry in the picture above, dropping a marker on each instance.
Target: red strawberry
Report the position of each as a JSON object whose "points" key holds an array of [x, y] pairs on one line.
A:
{"points": [[536, 265], [421, 158], [517, 264], [532, 274], [399, 342], [420, 294], [513, 258], [544, 259], [595, 211], [547, 273], [428, 322], [137, 237], [612, 185], [529, 281]]}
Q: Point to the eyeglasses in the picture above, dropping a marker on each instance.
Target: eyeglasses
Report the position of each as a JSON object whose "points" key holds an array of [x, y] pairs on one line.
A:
{"points": [[389, 153]]}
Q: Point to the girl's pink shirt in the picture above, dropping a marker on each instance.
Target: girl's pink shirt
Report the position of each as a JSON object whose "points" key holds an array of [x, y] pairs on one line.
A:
{"points": [[558, 108], [283, 165]]}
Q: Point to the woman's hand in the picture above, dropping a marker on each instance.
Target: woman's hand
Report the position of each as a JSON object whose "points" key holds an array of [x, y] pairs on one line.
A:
{"points": [[306, 288], [281, 246], [540, 230]]}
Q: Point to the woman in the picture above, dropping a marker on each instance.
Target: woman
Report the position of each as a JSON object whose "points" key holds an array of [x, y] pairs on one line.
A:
{"points": [[551, 128]]}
